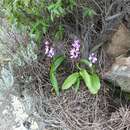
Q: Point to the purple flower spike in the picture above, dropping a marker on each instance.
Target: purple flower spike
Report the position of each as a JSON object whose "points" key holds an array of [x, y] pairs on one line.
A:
{"points": [[75, 50], [51, 52], [93, 58]]}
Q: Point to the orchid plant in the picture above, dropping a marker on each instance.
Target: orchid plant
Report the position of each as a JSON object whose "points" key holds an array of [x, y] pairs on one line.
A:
{"points": [[87, 73]]}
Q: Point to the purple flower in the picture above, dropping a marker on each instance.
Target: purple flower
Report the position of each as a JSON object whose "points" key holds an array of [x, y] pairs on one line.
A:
{"points": [[93, 58], [74, 53], [76, 45], [75, 50], [76, 41], [46, 49], [46, 43], [51, 52]]}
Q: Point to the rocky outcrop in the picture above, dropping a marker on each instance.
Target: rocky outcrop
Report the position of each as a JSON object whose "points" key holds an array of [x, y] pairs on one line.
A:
{"points": [[119, 73], [120, 42]]}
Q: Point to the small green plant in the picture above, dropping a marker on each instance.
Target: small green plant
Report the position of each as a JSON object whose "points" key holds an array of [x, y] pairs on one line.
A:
{"points": [[89, 77], [87, 73]]}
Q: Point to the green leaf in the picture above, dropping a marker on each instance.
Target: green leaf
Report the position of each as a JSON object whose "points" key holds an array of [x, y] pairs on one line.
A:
{"points": [[51, 7], [91, 81], [55, 64], [59, 33], [61, 10], [54, 82], [88, 63], [52, 18], [57, 61], [95, 81], [70, 80], [26, 2], [88, 12], [77, 85]]}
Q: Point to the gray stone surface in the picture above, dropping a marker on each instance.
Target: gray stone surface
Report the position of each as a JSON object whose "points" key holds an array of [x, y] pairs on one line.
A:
{"points": [[120, 73], [13, 115]]}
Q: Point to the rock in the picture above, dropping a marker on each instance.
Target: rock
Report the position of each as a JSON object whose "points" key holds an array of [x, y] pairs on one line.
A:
{"points": [[13, 114], [6, 77], [120, 42], [16, 45], [119, 73]]}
